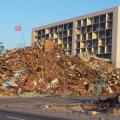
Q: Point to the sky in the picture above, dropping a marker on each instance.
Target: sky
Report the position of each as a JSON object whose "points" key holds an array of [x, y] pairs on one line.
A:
{"points": [[35, 13]]}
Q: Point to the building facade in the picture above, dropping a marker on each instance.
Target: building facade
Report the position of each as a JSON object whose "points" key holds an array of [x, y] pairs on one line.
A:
{"points": [[97, 33]]}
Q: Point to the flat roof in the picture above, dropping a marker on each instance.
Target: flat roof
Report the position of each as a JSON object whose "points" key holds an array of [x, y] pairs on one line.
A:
{"points": [[77, 18]]}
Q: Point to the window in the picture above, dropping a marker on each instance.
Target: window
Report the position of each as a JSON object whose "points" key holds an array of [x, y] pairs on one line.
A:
{"points": [[103, 18], [95, 50], [95, 43], [96, 27], [96, 19], [78, 24], [70, 39], [89, 28], [109, 41], [108, 32], [70, 25], [78, 45], [110, 16], [78, 38], [102, 26], [102, 34], [83, 29]]}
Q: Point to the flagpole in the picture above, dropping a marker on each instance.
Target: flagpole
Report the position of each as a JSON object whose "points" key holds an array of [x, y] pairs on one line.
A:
{"points": [[22, 34], [19, 28]]}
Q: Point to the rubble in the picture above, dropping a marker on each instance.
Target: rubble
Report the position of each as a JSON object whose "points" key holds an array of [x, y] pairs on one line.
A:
{"points": [[9, 84], [46, 69]]}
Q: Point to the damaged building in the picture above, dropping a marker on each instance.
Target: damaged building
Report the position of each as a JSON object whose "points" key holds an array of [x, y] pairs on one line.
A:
{"points": [[96, 33]]}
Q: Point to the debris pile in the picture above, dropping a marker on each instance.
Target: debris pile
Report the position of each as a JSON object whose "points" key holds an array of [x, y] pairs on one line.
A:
{"points": [[46, 69]]}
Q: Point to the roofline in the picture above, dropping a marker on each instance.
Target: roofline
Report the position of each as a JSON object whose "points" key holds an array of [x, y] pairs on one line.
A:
{"points": [[77, 18]]}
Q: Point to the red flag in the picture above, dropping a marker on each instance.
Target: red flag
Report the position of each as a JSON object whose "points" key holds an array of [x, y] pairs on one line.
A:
{"points": [[18, 28]]}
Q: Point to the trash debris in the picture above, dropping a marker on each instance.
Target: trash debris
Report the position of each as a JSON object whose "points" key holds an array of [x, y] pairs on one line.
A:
{"points": [[115, 111], [46, 106], [9, 84], [93, 113], [49, 46], [44, 67]]}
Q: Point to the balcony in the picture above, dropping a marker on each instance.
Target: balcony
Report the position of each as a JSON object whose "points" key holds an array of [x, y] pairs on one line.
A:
{"points": [[109, 40], [84, 22], [78, 37], [55, 29], [65, 34], [109, 25], [70, 46], [43, 37], [89, 21], [39, 32], [102, 50], [47, 37], [69, 52], [83, 29], [95, 50], [55, 36], [60, 34], [77, 51], [102, 34], [78, 45], [89, 36], [96, 20], [83, 44], [39, 37], [96, 27], [43, 31], [108, 33], [51, 30], [65, 46], [83, 50], [70, 32], [102, 42], [109, 16], [69, 39], [102, 26], [109, 49], [84, 37], [103, 18], [65, 40], [89, 28], [70, 25], [51, 36], [65, 26], [89, 43], [95, 43], [61, 28], [79, 24], [95, 35], [89, 50], [47, 31]]}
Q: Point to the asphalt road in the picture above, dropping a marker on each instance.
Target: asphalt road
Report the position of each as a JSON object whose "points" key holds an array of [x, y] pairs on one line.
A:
{"points": [[34, 109], [13, 115]]}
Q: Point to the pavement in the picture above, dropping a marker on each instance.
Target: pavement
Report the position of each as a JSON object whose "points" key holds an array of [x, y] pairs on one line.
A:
{"points": [[35, 108], [13, 115]]}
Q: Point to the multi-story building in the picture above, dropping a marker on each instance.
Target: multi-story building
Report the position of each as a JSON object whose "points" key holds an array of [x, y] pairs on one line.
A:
{"points": [[97, 33]]}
